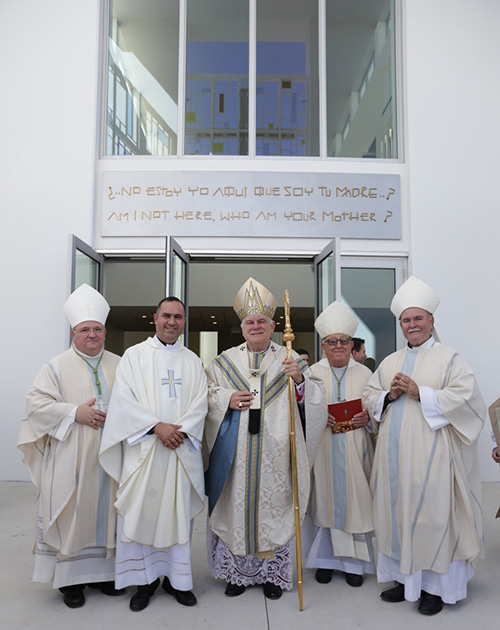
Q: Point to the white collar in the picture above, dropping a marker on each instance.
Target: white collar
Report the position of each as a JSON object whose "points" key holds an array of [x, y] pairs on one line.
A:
{"points": [[173, 347], [427, 344]]}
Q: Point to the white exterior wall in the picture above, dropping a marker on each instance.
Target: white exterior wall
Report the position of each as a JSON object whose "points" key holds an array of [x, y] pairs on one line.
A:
{"points": [[451, 102], [48, 120], [452, 105]]}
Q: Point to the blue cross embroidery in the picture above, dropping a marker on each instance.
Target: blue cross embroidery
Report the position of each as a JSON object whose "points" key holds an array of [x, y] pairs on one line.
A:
{"points": [[171, 381]]}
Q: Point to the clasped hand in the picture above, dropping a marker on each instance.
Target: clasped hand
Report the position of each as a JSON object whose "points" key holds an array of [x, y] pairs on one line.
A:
{"points": [[170, 435], [402, 384]]}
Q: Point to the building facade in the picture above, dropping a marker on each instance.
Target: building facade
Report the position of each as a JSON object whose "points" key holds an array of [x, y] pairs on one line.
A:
{"points": [[330, 147]]}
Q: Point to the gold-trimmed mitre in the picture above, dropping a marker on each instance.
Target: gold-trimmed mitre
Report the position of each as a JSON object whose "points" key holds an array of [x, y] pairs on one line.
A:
{"points": [[254, 299]]}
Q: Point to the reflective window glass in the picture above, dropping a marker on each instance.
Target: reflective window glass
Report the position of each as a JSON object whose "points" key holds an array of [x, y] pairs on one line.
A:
{"points": [[217, 77], [287, 78], [361, 84], [86, 270], [369, 293], [142, 78]]}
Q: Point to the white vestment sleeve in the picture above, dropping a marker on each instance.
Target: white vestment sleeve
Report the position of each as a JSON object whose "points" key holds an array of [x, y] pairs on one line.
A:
{"points": [[62, 430], [492, 436], [140, 436], [431, 409]]}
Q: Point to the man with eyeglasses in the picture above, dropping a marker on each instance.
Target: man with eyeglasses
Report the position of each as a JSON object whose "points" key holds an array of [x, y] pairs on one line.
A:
{"points": [[341, 502], [426, 482], [60, 437]]}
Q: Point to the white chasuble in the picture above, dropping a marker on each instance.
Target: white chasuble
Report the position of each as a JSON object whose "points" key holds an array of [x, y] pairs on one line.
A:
{"points": [[254, 513], [426, 484], [160, 490], [341, 498], [75, 495]]}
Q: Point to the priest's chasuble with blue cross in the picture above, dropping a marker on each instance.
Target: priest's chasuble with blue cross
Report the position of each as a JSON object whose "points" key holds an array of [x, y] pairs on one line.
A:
{"points": [[426, 484], [254, 513], [160, 490]]}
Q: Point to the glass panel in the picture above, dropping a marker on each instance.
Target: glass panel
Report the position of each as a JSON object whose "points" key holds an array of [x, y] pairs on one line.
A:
{"points": [[142, 78], [287, 78], [369, 292], [178, 277], [86, 270], [361, 83], [326, 282], [217, 77]]}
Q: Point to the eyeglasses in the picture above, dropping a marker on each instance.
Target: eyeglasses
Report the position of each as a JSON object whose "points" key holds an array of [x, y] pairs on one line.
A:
{"points": [[86, 331], [344, 341]]}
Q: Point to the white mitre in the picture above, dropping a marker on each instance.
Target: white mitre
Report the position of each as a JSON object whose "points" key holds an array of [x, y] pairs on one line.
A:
{"points": [[254, 299], [336, 318], [86, 304], [414, 293]]}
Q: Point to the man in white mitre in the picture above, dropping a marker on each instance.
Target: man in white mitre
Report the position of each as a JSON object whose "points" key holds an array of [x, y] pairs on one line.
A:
{"points": [[425, 480], [247, 434], [60, 436], [341, 500], [151, 447]]}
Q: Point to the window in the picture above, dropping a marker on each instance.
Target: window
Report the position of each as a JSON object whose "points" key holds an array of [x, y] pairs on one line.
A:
{"points": [[361, 84], [287, 78], [142, 78], [250, 82], [217, 77]]}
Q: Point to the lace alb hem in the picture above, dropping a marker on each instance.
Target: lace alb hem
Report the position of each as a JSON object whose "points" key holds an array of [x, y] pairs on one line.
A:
{"points": [[248, 570]]}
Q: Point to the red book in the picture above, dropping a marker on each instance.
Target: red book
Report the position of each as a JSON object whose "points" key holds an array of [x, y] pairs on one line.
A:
{"points": [[343, 412]]}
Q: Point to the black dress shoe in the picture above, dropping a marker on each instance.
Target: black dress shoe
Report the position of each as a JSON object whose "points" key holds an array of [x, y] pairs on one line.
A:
{"points": [[430, 604], [271, 591], [108, 588], [353, 579], [324, 576], [233, 590], [394, 594], [186, 598], [73, 595], [144, 593]]}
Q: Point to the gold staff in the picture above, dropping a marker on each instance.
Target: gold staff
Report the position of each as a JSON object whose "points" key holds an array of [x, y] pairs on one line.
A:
{"points": [[288, 337]]}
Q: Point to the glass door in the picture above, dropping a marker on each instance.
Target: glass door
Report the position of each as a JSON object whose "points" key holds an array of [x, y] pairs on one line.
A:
{"points": [[177, 277], [86, 266], [326, 282], [366, 284]]}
